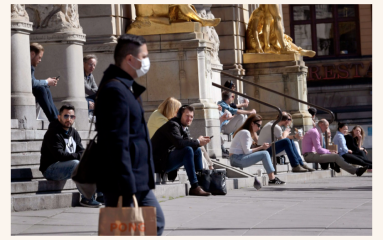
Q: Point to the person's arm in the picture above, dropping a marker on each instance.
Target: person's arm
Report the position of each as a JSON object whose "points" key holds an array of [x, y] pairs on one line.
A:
{"points": [[245, 141], [316, 143], [36, 82], [58, 150], [240, 111], [79, 148], [177, 140], [93, 86]]}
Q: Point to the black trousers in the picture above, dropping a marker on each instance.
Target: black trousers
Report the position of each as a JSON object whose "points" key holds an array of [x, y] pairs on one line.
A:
{"points": [[357, 159], [144, 198], [44, 98]]}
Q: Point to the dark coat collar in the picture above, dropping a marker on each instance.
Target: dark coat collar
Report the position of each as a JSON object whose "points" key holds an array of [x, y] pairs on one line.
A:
{"points": [[116, 72]]}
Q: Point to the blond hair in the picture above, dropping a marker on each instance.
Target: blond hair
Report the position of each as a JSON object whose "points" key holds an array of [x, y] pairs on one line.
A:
{"points": [[169, 107]]}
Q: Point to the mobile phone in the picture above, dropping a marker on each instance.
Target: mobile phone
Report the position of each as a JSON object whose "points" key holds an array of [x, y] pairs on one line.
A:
{"points": [[57, 77], [211, 137]]}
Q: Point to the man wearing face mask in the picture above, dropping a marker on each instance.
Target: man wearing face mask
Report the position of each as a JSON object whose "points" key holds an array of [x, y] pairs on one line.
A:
{"points": [[125, 151]]}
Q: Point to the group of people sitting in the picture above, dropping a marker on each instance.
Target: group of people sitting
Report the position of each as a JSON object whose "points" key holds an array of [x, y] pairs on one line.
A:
{"points": [[41, 88]]}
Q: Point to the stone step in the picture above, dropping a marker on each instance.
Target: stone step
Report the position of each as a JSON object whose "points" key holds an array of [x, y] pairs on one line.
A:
{"points": [[22, 134], [42, 124], [41, 201], [41, 185], [14, 124], [24, 173], [25, 158], [300, 177], [32, 146]]}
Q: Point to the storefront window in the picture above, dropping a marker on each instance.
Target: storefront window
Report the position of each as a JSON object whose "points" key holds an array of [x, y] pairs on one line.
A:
{"points": [[329, 30]]}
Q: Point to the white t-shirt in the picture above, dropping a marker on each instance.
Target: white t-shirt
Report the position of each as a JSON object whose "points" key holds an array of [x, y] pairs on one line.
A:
{"points": [[241, 143], [265, 134]]}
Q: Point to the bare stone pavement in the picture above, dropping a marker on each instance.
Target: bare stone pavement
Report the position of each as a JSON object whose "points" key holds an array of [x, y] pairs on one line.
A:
{"points": [[339, 206]]}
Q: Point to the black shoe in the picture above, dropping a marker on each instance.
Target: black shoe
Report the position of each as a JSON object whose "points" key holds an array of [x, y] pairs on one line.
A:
{"points": [[89, 203], [100, 199], [225, 155], [276, 181], [359, 172]]}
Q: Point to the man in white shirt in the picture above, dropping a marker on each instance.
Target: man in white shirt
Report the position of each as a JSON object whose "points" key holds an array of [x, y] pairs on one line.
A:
{"points": [[284, 142]]}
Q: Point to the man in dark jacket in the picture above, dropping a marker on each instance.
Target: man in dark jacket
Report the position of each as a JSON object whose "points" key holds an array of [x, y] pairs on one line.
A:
{"points": [[123, 140], [62, 149], [173, 148]]}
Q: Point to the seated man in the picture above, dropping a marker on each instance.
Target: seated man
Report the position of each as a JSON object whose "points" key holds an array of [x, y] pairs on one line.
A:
{"points": [[231, 85], [174, 148], [232, 124], [90, 62], [313, 152], [40, 88], [284, 142], [61, 151]]}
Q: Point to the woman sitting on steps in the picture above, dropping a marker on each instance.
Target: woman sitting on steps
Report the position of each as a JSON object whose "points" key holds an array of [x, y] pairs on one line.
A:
{"points": [[242, 155]]}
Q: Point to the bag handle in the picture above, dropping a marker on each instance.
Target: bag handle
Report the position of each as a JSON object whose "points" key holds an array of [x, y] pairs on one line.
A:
{"points": [[119, 204]]}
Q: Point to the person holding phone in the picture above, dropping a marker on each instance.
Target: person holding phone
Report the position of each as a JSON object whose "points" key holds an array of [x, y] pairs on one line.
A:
{"points": [[40, 88], [242, 155]]}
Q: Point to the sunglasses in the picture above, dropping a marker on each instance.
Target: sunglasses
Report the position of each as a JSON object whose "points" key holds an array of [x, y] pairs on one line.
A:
{"points": [[66, 116], [259, 125], [289, 119]]}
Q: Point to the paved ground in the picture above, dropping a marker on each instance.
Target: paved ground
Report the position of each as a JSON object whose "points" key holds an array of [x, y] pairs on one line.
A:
{"points": [[340, 206]]}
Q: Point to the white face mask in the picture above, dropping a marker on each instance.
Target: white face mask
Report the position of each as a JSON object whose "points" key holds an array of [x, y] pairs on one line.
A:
{"points": [[145, 65]]}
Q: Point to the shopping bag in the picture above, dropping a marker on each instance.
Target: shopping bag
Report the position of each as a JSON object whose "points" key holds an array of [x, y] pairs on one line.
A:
{"points": [[127, 221], [203, 177]]}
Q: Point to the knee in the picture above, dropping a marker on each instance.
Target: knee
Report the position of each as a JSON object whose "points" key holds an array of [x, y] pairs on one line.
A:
{"points": [[74, 163], [189, 151]]}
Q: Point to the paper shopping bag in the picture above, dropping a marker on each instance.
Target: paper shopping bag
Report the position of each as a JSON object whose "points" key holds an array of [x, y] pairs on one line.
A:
{"points": [[127, 221]]}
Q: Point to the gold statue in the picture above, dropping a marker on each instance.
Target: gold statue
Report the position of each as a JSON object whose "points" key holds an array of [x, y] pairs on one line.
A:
{"points": [[149, 15], [265, 33]]}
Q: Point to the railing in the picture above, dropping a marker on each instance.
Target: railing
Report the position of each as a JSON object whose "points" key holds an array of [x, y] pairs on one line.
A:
{"points": [[266, 104], [286, 96]]}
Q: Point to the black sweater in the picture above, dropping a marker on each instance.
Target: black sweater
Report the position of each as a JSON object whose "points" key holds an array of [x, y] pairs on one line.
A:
{"points": [[59, 146]]}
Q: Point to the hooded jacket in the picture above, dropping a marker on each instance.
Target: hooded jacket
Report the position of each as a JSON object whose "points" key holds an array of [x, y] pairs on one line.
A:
{"points": [[125, 154], [59, 146]]}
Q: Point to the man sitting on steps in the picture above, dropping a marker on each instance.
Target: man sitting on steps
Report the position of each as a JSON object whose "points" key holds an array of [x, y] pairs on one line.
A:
{"points": [[61, 151], [174, 148]]}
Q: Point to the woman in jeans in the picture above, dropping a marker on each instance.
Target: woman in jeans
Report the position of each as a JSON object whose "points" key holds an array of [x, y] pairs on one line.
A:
{"points": [[242, 155], [343, 151]]}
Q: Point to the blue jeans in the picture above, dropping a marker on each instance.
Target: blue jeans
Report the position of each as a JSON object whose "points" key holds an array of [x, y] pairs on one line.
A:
{"points": [[44, 98], [90, 98], [60, 171], [246, 160], [188, 157], [288, 146], [144, 198]]}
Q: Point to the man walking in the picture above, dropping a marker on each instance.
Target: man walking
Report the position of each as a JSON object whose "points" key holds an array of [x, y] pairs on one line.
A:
{"points": [[125, 153], [314, 153], [40, 88], [173, 148], [62, 149]]}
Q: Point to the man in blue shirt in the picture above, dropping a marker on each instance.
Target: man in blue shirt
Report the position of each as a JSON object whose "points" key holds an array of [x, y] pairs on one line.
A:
{"points": [[234, 122], [40, 88]]}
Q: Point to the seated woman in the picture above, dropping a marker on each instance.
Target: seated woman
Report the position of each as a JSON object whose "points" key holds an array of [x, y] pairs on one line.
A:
{"points": [[354, 142], [167, 110], [347, 154], [242, 155]]}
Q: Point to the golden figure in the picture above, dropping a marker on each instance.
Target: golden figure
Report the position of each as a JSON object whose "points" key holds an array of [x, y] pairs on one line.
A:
{"points": [[265, 33], [167, 14]]}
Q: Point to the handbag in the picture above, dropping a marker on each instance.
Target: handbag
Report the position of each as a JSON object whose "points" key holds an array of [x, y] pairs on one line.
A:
{"points": [[213, 181], [127, 221]]}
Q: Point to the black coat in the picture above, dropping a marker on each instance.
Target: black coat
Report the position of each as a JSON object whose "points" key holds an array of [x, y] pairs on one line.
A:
{"points": [[55, 148], [170, 135], [352, 144], [125, 159]]}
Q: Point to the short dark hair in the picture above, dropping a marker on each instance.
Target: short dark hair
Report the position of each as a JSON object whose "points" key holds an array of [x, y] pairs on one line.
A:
{"points": [[229, 84], [341, 125], [67, 107], [312, 111], [183, 109], [226, 95], [127, 44], [36, 48], [285, 116]]}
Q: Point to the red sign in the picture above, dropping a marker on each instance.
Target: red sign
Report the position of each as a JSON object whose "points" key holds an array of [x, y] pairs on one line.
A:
{"points": [[340, 71]]}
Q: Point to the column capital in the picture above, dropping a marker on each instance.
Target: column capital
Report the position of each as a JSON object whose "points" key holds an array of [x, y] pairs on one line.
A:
{"points": [[62, 37]]}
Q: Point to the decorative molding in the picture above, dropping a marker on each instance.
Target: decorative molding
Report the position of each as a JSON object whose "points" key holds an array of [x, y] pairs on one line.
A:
{"points": [[18, 13], [48, 18], [99, 48], [71, 37], [27, 26]]}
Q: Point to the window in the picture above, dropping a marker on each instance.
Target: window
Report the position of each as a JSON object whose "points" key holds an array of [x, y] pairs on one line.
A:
{"points": [[329, 30]]}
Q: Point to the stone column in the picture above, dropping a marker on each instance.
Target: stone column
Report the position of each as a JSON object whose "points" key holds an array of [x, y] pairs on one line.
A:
{"points": [[23, 105], [57, 28]]}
